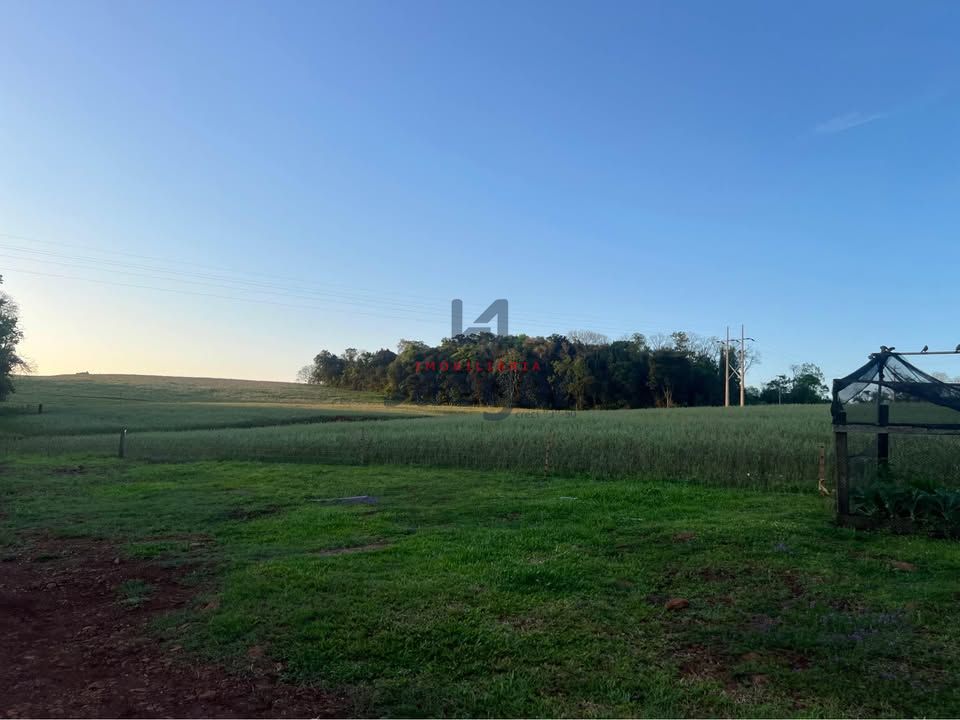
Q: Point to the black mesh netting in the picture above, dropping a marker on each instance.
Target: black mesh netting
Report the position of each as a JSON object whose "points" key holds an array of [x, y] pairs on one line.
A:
{"points": [[913, 397]]}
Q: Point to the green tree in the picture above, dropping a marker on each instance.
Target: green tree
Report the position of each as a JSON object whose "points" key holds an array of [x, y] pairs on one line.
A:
{"points": [[327, 369], [808, 384], [10, 336], [777, 391]]}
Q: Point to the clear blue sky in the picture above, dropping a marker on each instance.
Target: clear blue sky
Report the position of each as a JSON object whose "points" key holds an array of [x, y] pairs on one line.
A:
{"points": [[325, 175]]}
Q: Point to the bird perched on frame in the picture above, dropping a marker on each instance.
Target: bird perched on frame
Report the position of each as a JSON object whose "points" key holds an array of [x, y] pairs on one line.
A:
{"points": [[958, 349], [884, 348], [925, 348]]}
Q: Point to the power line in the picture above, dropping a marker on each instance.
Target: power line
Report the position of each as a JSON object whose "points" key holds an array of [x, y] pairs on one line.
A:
{"points": [[257, 301], [232, 284], [553, 322], [353, 287]]}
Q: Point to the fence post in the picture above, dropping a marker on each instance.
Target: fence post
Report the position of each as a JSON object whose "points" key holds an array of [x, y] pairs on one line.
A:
{"points": [[822, 470], [123, 442], [40, 409], [883, 440], [546, 455], [843, 468]]}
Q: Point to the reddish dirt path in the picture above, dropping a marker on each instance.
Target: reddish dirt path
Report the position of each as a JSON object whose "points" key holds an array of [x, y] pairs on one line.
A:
{"points": [[70, 648]]}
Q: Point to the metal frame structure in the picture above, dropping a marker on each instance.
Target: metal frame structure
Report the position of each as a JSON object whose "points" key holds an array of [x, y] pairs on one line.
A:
{"points": [[883, 430]]}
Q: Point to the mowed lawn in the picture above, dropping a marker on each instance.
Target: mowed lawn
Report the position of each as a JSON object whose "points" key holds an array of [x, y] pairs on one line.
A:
{"points": [[498, 593]]}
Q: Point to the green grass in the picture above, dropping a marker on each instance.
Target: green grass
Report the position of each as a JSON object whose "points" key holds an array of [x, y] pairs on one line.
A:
{"points": [[134, 593], [33, 389], [106, 417], [498, 593], [507, 568], [177, 419], [182, 419], [103, 404], [763, 447]]}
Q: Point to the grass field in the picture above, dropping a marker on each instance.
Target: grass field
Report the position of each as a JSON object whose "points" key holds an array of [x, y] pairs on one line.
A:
{"points": [[764, 447], [203, 420], [522, 567]]}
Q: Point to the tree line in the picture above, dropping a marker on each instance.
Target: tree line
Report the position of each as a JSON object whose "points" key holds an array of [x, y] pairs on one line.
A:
{"points": [[580, 370], [10, 336]]}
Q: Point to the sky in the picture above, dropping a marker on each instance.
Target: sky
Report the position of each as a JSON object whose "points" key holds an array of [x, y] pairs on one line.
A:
{"points": [[226, 188]]}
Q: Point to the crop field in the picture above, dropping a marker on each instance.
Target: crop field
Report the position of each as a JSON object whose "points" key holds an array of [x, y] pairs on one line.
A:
{"points": [[191, 419], [270, 548]]}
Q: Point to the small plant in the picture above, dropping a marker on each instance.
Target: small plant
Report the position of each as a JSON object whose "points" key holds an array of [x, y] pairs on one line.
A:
{"points": [[134, 593], [937, 510]]}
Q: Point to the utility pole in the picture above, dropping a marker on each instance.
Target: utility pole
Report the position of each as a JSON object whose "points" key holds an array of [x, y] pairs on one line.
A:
{"points": [[740, 372], [743, 367], [726, 370]]}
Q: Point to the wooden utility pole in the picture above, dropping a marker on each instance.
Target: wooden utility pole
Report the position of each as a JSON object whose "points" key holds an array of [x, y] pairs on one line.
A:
{"points": [[743, 366], [726, 370], [740, 372]]}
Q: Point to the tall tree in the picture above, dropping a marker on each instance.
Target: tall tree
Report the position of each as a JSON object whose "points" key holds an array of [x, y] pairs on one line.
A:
{"points": [[588, 337], [777, 390], [544, 372], [10, 336], [809, 384]]}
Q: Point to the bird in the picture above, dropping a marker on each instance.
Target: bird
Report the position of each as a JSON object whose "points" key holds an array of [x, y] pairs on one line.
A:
{"points": [[884, 348], [891, 348], [958, 349], [925, 348]]}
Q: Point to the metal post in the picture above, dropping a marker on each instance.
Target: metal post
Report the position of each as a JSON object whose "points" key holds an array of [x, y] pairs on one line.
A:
{"points": [[123, 442], [883, 419], [883, 441], [843, 468]]}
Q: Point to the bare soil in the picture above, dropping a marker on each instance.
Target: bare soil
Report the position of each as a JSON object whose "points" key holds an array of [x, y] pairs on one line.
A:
{"points": [[74, 643]]}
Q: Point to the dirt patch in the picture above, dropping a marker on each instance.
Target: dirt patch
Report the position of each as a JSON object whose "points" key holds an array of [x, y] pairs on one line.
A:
{"points": [[74, 644], [794, 584], [762, 623], [904, 566], [523, 623], [355, 549], [714, 574], [783, 657], [700, 662], [242, 513], [738, 676], [70, 470]]}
